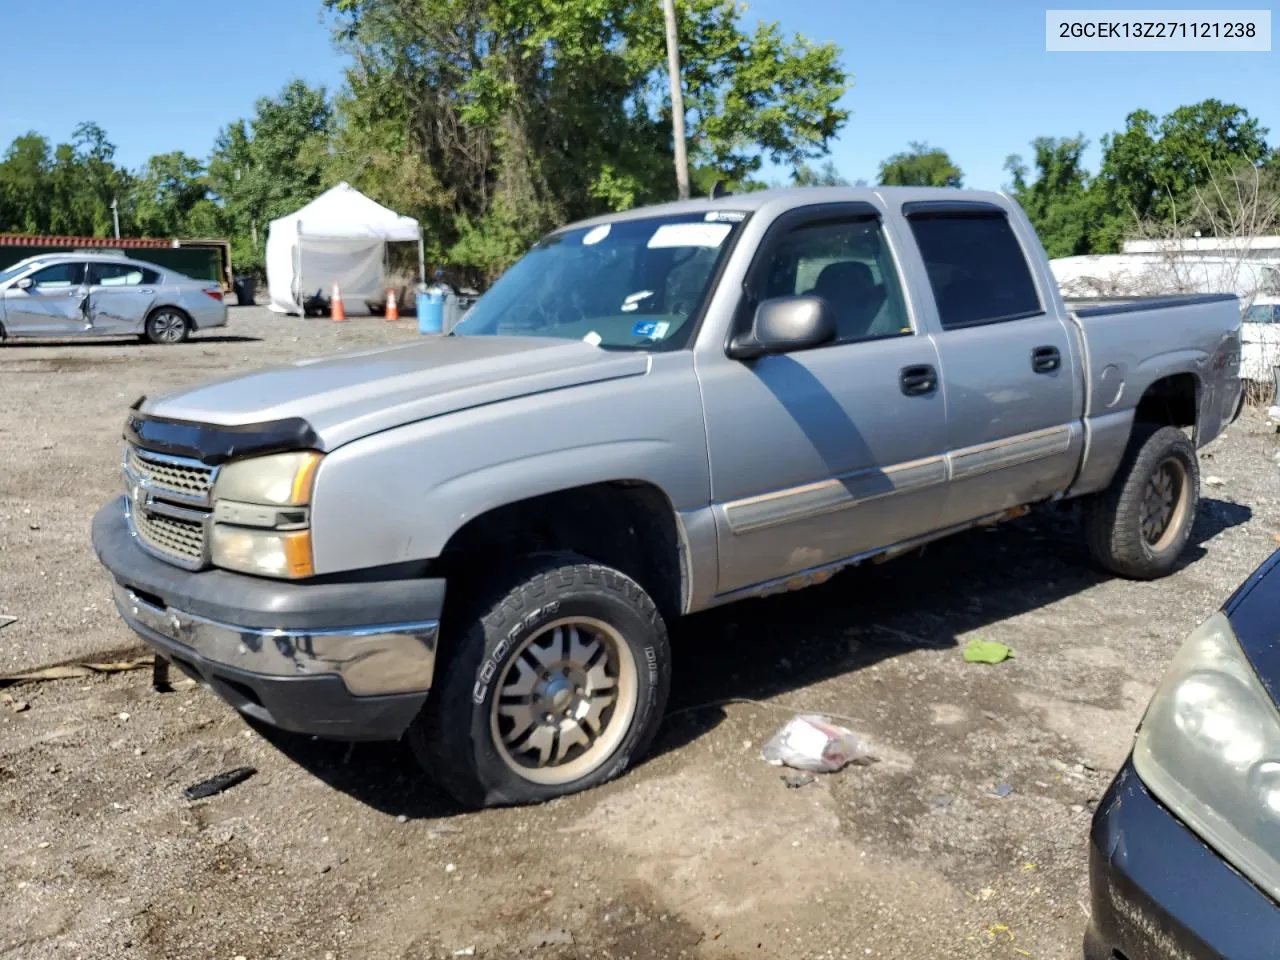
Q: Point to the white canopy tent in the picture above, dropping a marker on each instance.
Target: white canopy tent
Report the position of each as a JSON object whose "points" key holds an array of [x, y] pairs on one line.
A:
{"points": [[341, 236]]}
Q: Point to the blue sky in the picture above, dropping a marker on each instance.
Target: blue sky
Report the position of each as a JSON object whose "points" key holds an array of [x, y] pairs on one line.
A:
{"points": [[975, 79]]}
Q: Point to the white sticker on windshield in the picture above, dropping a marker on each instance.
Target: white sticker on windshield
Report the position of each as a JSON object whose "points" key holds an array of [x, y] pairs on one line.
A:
{"points": [[726, 216], [596, 234], [593, 338], [689, 235]]}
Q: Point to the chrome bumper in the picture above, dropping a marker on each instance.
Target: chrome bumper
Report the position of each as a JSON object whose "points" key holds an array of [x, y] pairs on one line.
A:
{"points": [[377, 660]]}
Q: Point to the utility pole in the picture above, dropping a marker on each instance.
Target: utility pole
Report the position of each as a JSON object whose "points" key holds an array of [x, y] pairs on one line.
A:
{"points": [[677, 99], [115, 216]]}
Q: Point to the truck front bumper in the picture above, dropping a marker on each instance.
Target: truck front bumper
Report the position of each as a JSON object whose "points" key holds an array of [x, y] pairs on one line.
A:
{"points": [[350, 660]]}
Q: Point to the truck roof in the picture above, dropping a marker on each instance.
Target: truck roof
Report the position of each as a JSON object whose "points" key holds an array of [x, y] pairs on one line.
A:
{"points": [[786, 197]]}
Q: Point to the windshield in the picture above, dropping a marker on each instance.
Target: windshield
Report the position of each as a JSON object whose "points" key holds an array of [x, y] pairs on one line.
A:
{"points": [[1270, 286], [1263, 313], [631, 285], [10, 272]]}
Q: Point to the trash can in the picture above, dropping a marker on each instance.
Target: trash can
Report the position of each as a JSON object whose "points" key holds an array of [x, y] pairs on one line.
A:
{"points": [[245, 289], [430, 311]]}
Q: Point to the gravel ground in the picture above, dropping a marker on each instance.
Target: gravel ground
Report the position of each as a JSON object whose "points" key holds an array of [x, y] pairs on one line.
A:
{"points": [[700, 852]]}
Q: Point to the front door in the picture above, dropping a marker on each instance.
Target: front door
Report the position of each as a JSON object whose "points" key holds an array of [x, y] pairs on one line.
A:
{"points": [[52, 305], [120, 296], [822, 454], [1009, 365]]}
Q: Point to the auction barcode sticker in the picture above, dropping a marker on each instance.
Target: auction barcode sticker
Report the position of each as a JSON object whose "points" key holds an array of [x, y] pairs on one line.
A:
{"points": [[1241, 31]]}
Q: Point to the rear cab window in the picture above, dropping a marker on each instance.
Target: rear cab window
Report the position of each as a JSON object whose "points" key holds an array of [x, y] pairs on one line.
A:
{"points": [[977, 269]]}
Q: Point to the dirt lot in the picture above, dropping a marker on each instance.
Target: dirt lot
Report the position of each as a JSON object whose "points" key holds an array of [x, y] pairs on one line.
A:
{"points": [[701, 852]]}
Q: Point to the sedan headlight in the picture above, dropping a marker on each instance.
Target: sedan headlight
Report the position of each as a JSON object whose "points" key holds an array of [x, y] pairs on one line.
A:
{"points": [[261, 515], [1209, 749]]}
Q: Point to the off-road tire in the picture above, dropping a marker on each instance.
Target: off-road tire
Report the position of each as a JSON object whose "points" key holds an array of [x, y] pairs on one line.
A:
{"points": [[453, 739], [1113, 517]]}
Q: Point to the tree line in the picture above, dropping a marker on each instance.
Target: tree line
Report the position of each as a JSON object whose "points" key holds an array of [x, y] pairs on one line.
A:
{"points": [[493, 121]]}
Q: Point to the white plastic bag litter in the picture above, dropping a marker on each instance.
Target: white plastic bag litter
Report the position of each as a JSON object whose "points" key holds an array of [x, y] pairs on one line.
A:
{"points": [[810, 742]]}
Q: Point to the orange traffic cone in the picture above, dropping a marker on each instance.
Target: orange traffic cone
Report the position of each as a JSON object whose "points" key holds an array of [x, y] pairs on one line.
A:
{"points": [[393, 309], [336, 310]]}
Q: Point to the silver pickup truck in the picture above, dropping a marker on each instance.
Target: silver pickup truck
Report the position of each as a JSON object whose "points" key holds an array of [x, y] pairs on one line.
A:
{"points": [[477, 541]]}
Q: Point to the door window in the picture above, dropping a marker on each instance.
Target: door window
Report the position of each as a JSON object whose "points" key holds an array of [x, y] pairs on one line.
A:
{"points": [[116, 275], [60, 276], [976, 268], [848, 264]]}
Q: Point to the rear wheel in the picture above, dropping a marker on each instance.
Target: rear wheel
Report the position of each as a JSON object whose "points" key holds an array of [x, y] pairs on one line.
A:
{"points": [[551, 686], [1139, 526], [167, 325]]}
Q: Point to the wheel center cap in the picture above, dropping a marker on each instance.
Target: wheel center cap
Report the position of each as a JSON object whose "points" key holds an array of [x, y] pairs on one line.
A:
{"points": [[559, 693]]}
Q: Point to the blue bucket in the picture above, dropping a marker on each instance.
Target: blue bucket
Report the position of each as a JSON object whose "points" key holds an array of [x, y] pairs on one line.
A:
{"points": [[430, 312]]}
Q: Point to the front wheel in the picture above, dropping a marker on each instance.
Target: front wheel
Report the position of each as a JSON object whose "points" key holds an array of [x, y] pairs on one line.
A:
{"points": [[1139, 526], [552, 686]]}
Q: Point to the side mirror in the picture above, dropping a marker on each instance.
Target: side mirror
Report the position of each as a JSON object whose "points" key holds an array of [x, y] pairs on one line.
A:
{"points": [[784, 325], [25, 283]]}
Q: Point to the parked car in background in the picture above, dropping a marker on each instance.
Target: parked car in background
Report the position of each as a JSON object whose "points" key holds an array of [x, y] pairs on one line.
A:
{"points": [[1147, 274], [1185, 851], [1260, 339], [104, 295], [651, 413]]}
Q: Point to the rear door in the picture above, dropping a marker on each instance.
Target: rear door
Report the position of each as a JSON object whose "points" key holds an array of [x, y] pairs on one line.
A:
{"points": [[52, 306], [1008, 360], [120, 296], [823, 454]]}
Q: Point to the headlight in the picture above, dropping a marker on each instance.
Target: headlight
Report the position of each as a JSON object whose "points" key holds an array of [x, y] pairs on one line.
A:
{"points": [[261, 516], [1209, 749], [282, 479]]}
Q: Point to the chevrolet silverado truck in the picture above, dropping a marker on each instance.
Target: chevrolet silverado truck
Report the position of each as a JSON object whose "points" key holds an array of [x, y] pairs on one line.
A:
{"points": [[477, 541]]}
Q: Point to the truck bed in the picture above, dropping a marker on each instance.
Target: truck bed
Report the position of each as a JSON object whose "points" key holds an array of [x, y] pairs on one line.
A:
{"points": [[1118, 337], [1096, 306]]}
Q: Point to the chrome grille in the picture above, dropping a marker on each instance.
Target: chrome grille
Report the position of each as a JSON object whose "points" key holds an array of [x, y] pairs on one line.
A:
{"points": [[190, 480], [170, 536], [169, 505]]}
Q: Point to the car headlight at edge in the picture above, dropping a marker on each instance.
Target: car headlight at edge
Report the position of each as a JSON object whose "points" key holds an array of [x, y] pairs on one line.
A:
{"points": [[1209, 749], [261, 515]]}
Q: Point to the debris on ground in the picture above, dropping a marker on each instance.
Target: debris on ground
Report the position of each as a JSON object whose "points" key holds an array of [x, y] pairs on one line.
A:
{"points": [[17, 706], [217, 784], [797, 780], [1214, 481], [68, 671], [5, 620], [1000, 791], [814, 743], [548, 938], [986, 651]]}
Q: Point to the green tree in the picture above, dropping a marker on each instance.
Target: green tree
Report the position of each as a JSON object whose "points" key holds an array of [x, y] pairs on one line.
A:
{"points": [[1057, 200], [825, 176], [499, 119], [24, 185], [921, 166], [168, 190], [264, 167], [1155, 169], [101, 181]]}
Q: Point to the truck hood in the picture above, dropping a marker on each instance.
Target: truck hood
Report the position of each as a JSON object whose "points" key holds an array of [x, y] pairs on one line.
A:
{"points": [[354, 395]]}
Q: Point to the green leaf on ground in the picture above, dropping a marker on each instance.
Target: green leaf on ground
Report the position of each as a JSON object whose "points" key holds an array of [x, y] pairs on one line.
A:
{"points": [[986, 651]]}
